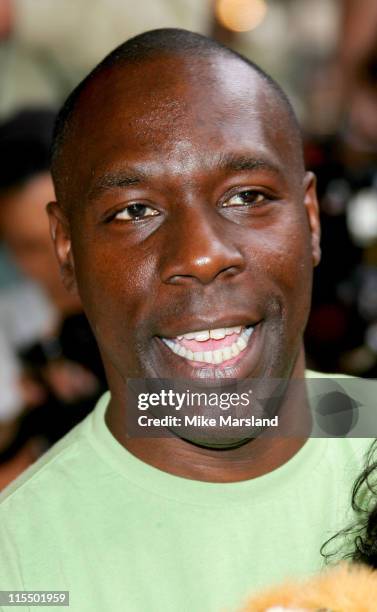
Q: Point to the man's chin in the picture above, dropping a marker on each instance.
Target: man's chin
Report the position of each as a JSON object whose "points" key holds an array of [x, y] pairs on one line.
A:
{"points": [[228, 429], [222, 441]]}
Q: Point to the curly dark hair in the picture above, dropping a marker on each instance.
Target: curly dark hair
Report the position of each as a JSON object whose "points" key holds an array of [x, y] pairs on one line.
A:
{"points": [[360, 538]]}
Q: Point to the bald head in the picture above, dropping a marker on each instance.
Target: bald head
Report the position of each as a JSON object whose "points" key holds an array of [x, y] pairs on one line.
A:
{"points": [[204, 55]]}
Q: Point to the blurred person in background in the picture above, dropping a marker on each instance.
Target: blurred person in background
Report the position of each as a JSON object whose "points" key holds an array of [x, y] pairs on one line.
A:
{"points": [[342, 331], [49, 364]]}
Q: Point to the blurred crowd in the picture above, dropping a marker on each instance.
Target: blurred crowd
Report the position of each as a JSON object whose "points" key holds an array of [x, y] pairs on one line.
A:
{"points": [[323, 53]]}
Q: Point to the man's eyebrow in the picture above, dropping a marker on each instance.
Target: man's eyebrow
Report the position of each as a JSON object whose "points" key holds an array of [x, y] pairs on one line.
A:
{"points": [[237, 163], [114, 180]]}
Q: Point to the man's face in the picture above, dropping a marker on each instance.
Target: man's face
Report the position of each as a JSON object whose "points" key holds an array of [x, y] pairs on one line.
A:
{"points": [[188, 212]]}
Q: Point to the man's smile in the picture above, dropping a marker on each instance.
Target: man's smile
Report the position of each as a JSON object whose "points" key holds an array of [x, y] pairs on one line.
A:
{"points": [[213, 346], [215, 352]]}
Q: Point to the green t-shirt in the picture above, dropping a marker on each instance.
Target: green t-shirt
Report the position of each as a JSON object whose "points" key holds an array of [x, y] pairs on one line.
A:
{"points": [[120, 535]]}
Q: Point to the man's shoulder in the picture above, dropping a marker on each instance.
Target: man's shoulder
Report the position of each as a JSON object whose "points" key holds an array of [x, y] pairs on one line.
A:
{"points": [[44, 466], [70, 455]]}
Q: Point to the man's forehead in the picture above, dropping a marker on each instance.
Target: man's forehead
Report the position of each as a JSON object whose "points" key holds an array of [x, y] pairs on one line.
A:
{"points": [[167, 94], [180, 110], [174, 88]]}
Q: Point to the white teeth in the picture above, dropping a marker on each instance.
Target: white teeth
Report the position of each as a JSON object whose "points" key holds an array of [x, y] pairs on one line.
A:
{"points": [[201, 336], [235, 350], [227, 353], [218, 334], [217, 356], [207, 356], [241, 343]]}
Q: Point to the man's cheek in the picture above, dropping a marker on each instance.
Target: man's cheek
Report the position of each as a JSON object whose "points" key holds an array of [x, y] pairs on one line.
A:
{"points": [[296, 250], [286, 267]]}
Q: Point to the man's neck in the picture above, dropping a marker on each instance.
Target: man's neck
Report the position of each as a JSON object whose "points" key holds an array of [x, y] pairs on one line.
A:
{"points": [[254, 458]]}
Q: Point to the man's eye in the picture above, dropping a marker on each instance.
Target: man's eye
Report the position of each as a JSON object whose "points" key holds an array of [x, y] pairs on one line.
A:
{"points": [[135, 212], [245, 198]]}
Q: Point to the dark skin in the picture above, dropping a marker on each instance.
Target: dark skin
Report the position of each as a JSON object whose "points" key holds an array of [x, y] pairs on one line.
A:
{"points": [[227, 235]]}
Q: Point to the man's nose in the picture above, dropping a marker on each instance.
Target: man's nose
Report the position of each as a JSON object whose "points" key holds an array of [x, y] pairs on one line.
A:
{"points": [[200, 249]]}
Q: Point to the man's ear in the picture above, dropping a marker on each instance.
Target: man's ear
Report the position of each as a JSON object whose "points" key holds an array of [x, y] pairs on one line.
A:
{"points": [[312, 211], [60, 234]]}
